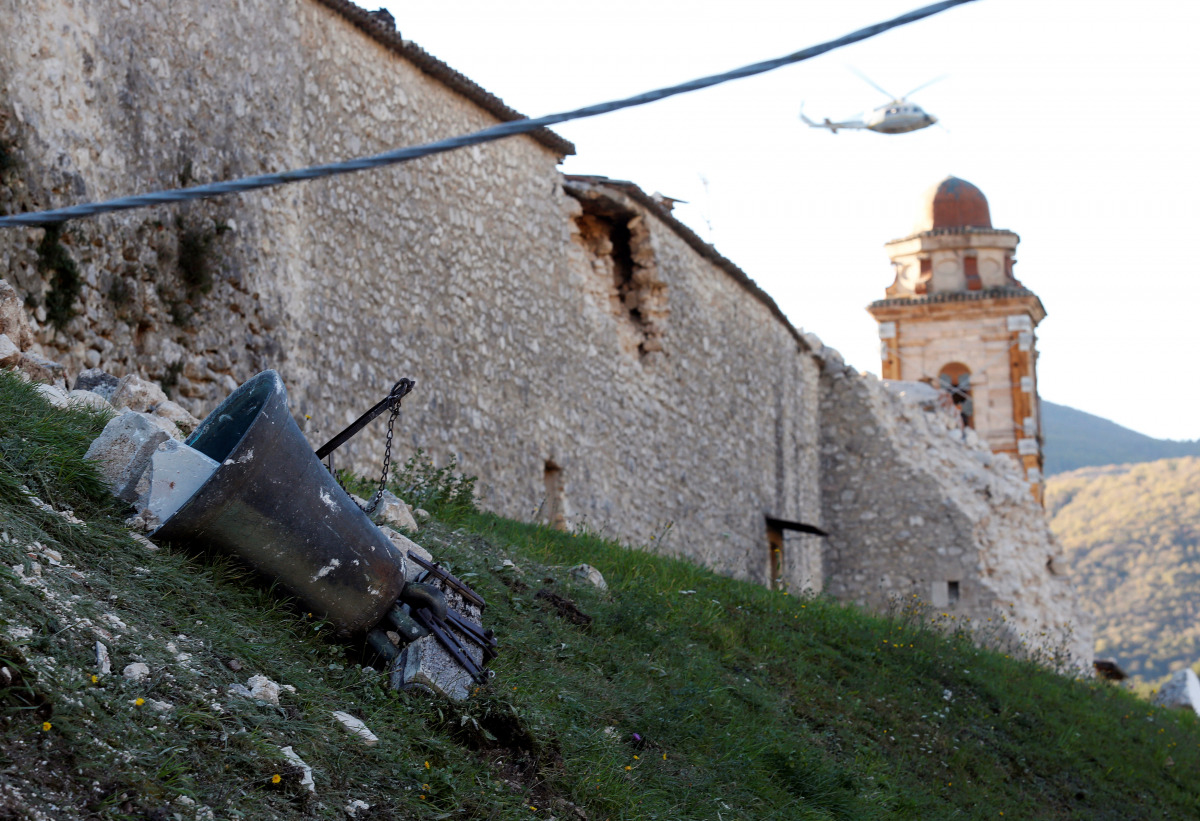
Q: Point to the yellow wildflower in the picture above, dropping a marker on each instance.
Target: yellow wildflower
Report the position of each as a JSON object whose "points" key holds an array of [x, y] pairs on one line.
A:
{"points": [[275, 779], [46, 725], [139, 702]]}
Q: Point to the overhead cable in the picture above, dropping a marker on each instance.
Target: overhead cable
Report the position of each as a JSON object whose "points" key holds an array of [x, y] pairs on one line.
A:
{"points": [[496, 132]]}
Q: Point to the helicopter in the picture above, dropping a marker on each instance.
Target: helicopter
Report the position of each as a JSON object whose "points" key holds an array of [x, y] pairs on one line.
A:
{"points": [[895, 117]]}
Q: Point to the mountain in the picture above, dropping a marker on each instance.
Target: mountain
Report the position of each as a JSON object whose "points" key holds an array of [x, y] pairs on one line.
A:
{"points": [[1131, 534], [1075, 439]]}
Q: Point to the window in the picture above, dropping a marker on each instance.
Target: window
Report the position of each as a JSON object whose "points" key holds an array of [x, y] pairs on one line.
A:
{"points": [[955, 379], [951, 592]]}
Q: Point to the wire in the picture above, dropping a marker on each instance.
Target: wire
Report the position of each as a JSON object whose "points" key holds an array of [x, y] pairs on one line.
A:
{"points": [[496, 132]]}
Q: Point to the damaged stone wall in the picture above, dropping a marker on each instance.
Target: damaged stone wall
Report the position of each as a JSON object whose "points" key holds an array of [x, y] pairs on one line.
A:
{"points": [[918, 506], [473, 272]]}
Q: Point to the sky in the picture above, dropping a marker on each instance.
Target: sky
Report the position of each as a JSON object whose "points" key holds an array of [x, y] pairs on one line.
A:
{"points": [[1075, 118]]}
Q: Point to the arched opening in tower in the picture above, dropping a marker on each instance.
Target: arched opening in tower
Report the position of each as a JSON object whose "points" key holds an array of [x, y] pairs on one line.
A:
{"points": [[955, 379]]}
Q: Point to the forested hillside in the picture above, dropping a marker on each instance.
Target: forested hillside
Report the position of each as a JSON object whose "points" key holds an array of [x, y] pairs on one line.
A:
{"points": [[1132, 537], [1075, 439]]}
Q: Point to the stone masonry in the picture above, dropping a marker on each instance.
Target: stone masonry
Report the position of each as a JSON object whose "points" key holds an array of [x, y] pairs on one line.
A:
{"points": [[573, 345]]}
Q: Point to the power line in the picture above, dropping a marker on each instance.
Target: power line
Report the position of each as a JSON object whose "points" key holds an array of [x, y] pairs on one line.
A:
{"points": [[496, 132]]}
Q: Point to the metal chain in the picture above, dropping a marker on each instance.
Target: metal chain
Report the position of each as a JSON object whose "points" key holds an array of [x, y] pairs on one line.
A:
{"points": [[393, 399], [387, 461]]}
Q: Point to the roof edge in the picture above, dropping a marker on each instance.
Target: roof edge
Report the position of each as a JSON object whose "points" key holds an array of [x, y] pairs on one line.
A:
{"points": [[704, 249], [938, 232], [440, 71], [961, 296]]}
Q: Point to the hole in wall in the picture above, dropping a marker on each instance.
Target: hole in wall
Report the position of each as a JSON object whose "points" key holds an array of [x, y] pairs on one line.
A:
{"points": [[554, 507]]}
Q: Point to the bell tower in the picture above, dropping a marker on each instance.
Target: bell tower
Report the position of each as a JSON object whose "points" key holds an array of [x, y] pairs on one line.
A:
{"points": [[956, 317]]}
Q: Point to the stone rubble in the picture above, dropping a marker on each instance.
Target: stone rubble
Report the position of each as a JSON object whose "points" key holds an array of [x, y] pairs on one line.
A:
{"points": [[391, 510], [587, 573], [103, 662], [425, 664], [307, 780], [1182, 691], [137, 671], [356, 728]]}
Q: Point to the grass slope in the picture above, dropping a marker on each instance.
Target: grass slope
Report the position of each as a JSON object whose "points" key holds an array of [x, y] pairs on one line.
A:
{"points": [[1132, 537], [1075, 439], [688, 696]]}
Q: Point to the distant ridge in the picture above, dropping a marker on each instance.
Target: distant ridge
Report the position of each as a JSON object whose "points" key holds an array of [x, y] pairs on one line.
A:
{"points": [[1075, 439]]}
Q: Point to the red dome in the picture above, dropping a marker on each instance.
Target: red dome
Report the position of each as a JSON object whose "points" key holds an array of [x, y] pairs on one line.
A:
{"points": [[953, 203]]}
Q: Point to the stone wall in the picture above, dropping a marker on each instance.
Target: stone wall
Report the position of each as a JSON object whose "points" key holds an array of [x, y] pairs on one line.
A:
{"points": [[918, 506], [582, 375]]}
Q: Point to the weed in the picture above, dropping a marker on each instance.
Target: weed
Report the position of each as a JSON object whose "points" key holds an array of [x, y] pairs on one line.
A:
{"points": [[443, 492], [65, 284]]}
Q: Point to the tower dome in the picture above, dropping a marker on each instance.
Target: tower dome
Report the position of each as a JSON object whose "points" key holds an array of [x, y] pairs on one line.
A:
{"points": [[953, 203]]}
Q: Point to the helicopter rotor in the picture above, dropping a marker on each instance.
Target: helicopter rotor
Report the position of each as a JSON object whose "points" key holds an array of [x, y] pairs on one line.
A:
{"points": [[873, 84], [925, 85]]}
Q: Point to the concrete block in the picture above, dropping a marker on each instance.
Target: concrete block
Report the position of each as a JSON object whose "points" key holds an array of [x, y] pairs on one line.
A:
{"points": [[176, 473], [424, 663], [123, 451]]}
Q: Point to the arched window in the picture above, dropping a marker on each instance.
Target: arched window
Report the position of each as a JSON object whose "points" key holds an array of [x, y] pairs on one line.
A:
{"points": [[955, 379]]}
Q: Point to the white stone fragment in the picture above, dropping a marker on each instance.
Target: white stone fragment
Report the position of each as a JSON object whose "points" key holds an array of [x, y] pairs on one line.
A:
{"points": [[307, 780], [123, 451], [404, 545], [1182, 691], [355, 807], [263, 689], [587, 573], [88, 399], [176, 473], [136, 671], [103, 662], [137, 394], [356, 728], [53, 394], [391, 510], [10, 354], [177, 414]]}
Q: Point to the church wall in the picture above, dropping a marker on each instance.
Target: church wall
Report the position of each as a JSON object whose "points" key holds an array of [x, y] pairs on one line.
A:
{"points": [[912, 503], [472, 272]]}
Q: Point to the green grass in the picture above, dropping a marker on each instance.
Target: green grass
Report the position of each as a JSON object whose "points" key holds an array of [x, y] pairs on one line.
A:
{"points": [[748, 704]]}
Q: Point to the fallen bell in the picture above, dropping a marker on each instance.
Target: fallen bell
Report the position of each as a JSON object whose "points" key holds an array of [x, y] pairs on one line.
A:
{"points": [[272, 504]]}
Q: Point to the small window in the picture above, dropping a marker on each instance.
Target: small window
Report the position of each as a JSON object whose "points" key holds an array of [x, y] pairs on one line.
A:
{"points": [[951, 592], [955, 379], [554, 505]]}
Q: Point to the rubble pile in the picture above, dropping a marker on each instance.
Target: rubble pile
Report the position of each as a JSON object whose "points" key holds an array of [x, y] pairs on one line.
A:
{"points": [[144, 459]]}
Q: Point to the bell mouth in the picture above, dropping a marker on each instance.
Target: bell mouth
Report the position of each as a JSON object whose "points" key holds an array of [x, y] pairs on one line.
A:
{"points": [[223, 429]]}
